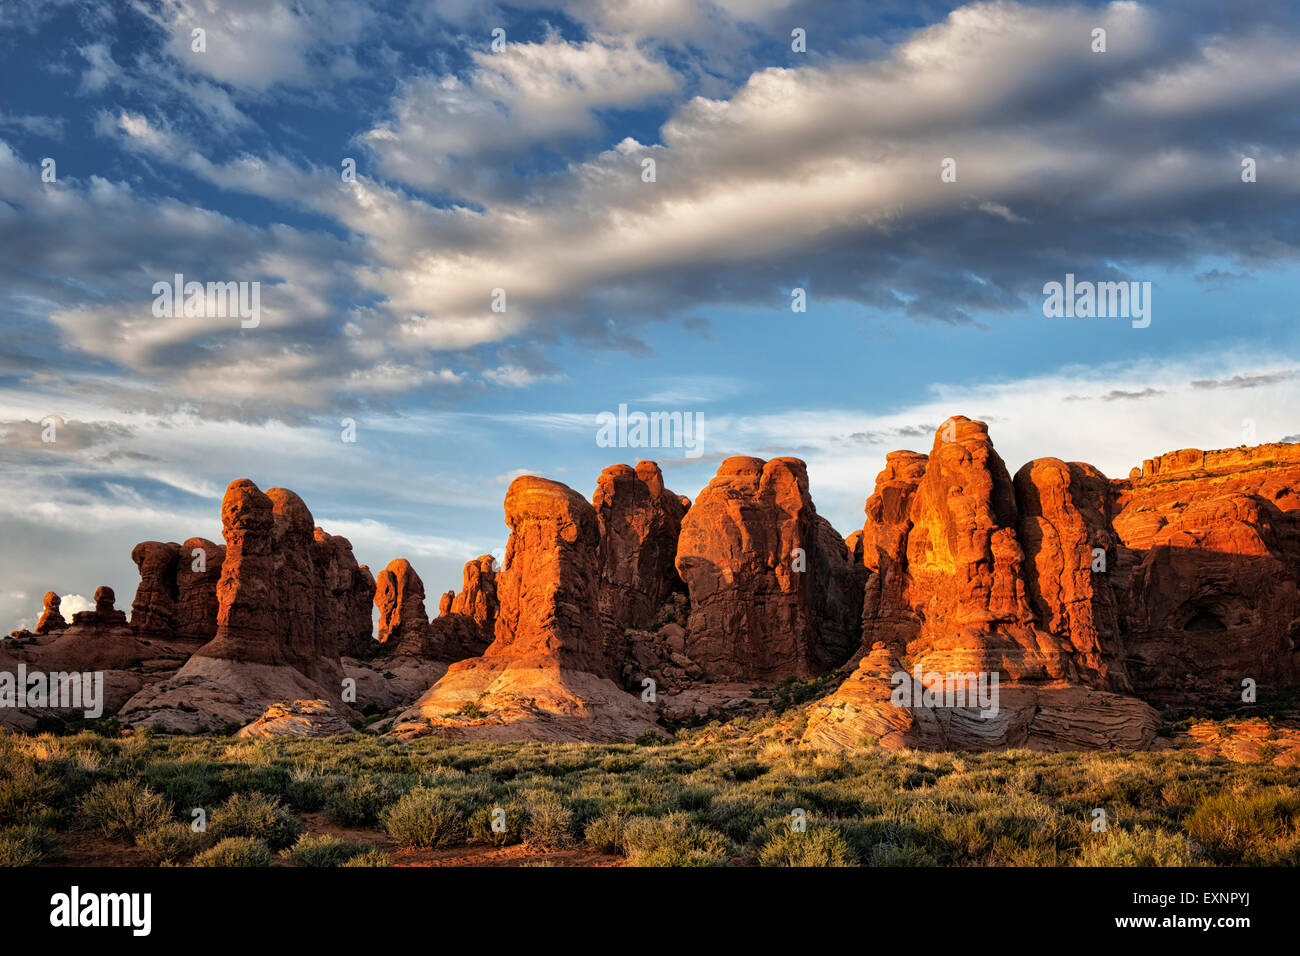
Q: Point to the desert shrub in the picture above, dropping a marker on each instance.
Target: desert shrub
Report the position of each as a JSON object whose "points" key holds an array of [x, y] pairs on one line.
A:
{"points": [[24, 846], [549, 822], [322, 850], [186, 783], [692, 798], [1141, 846], [900, 854], [170, 843], [733, 815], [516, 820], [258, 816], [620, 763], [1243, 827], [124, 809], [424, 817], [816, 847], [23, 790], [369, 858], [361, 802], [236, 851], [605, 833], [742, 771], [673, 840], [996, 830], [308, 791]]}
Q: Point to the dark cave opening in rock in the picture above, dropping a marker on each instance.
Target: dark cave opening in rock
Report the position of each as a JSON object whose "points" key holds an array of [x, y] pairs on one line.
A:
{"points": [[1204, 620]]}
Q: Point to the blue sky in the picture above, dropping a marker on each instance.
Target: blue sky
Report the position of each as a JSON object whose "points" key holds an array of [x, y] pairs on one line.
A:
{"points": [[520, 168]]}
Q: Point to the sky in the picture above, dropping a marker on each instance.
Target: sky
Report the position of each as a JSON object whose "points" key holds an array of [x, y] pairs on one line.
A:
{"points": [[502, 269]]}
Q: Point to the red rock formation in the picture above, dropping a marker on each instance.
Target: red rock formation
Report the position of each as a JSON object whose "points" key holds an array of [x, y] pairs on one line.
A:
{"points": [[640, 522], [545, 676], [958, 600], [1207, 570], [772, 591], [51, 617], [404, 627], [177, 594], [1085, 596], [104, 614], [349, 593], [270, 591], [99, 641], [399, 595], [886, 615], [1049, 716], [301, 718], [1065, 530], [953, 592], [154, 609], [550, 585], [271, 640], [478, 597], [198, 571]]}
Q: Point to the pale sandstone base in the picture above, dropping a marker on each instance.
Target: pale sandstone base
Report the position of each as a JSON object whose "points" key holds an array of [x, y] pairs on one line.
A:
{"points": [[486, 699], [1044, 717], [212, 693], [302, 718]]}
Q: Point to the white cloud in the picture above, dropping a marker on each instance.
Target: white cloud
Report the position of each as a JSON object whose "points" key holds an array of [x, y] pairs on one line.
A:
{"points": [[100, 69], [826, 173], [510, 476], [256, 44], [444, 128], [516, 376]]}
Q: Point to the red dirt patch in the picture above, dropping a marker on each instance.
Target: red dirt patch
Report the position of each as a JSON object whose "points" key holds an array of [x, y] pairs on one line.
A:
{"points": [[88, 848], [518, 855]]}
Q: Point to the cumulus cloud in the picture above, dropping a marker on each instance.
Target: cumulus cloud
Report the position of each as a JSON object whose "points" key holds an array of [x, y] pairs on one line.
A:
{"points": [[257, 44], [454, 135], [823, 175]]}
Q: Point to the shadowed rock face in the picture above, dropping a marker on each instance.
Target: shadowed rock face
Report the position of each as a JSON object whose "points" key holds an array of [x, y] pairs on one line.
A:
{"points": [[154, 609], [177, 594], [404, 628], [399, 595], [1065, 530], [198, 571], [640, 522], [104, 614], [771, 589], [478, 598], [349, 590], [1207, 569]]}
